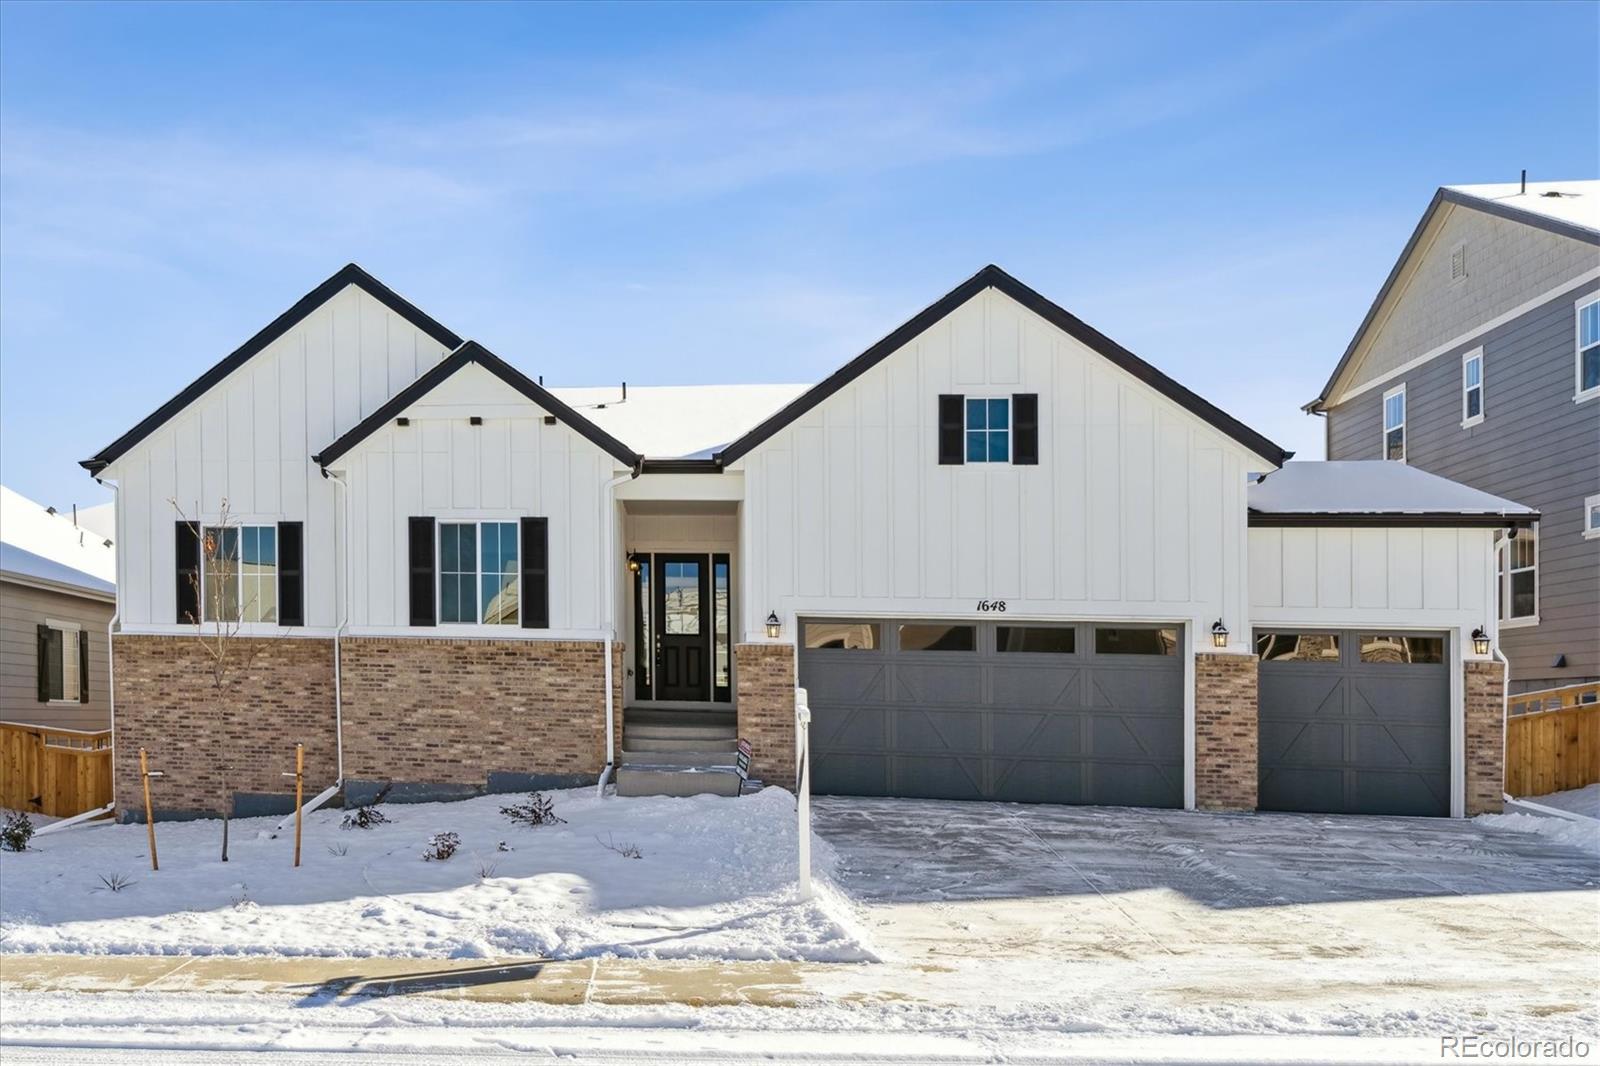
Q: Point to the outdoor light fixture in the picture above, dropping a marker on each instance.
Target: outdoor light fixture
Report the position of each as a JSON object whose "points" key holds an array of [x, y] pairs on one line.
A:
{"points": [[1219, 634], [1480, 641], [633, 563], [774, 627]]}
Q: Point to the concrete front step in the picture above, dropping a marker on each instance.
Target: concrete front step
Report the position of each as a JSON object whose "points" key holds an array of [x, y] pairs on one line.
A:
{"points": [[705, 758], [652, 780], [633, 741], [708, 731]]}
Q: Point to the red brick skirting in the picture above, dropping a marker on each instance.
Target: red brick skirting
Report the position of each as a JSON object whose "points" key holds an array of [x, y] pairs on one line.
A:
{"points": [[764, 696], [1225, 732], [1482, 681], [164, 703]]}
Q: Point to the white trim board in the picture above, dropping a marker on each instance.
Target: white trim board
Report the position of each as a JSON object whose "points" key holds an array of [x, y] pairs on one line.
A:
{"points": [[1471, 334]]}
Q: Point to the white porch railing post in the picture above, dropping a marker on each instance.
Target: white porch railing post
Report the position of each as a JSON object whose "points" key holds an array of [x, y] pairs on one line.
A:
{"points": [[802, 738]]}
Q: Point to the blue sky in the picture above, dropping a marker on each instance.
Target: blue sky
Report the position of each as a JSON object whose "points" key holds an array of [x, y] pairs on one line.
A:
{"points": [[737, 193]]}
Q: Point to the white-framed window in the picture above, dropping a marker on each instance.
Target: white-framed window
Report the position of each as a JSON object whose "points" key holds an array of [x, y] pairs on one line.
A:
{"points": [[1518, 566], [1472, 388], [1587, 359], [1591, 517], [239, 573], [988, 429], [59, 674], [479, 573], [1394, 424]]}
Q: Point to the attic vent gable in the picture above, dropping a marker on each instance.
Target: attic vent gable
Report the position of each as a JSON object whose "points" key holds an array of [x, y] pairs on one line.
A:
{"points": [[1458, 262]]}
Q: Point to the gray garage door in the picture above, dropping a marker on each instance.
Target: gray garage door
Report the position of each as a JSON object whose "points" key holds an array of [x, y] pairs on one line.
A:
{"points": [[1355, 722], [1073, 713]]}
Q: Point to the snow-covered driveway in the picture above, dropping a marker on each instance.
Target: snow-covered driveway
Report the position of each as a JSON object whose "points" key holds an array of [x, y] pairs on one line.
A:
{"points": [[1251, 921]]}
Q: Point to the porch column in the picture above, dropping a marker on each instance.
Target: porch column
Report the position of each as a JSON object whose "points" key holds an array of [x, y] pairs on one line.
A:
{"points": [[764, 680]]}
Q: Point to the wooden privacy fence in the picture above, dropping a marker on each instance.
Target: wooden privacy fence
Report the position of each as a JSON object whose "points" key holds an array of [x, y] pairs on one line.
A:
{"points": [[1556, 749], [58, 772]]}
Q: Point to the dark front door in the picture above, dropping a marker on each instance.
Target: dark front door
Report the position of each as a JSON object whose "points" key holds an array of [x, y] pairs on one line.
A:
{"points": [[683, 628]]}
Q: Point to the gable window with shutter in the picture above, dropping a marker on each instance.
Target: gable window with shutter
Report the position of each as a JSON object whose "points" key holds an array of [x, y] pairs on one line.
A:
{"points": [[989, 429], [63, 663], [479, 573], [244, 573]]}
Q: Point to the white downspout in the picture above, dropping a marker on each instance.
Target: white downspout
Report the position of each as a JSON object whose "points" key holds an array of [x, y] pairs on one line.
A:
{"points": [[608, 569], [338, 690]]}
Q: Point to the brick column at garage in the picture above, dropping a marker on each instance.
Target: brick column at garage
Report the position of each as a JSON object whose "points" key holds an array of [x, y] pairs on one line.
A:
{"points": [[1225, 732], [1483, 691], [764, 698]]}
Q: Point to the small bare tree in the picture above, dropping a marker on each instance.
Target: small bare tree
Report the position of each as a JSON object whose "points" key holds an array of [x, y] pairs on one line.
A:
{"points": [[223, 608]]}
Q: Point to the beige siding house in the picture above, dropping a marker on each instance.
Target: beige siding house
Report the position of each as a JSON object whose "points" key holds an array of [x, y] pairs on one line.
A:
{"points": [[56, 604]]}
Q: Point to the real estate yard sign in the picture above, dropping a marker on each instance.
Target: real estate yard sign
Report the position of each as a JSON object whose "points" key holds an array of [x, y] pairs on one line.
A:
{"points": [[741, 762]]}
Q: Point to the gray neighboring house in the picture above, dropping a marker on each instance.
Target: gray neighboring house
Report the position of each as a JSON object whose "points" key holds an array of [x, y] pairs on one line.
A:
{"points": [[56, 602], [1479, 360]]}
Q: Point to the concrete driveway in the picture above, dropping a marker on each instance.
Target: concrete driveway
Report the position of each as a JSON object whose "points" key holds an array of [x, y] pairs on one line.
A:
{"points": [[1280, 916]]}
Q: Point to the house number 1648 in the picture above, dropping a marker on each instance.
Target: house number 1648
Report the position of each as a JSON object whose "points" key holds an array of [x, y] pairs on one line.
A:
{"points": [[992, 605]]}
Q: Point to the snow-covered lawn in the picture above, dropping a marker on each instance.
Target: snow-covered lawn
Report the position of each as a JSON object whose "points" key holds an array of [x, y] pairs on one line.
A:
{"points": [[715, 880]]}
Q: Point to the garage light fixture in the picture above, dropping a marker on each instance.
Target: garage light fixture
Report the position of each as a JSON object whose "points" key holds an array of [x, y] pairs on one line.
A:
{"points": [[774, 627], [1219, 634], [1480, 641]]}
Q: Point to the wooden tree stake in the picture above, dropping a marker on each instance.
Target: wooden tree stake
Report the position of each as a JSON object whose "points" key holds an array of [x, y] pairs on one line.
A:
{"points": [[149, 816], [299, 780]]}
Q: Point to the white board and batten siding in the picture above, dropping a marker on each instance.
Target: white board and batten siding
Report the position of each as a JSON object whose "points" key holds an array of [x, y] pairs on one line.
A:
{"points": [[249, 440], [1344, 577], [510, 467], [1135, 512]]}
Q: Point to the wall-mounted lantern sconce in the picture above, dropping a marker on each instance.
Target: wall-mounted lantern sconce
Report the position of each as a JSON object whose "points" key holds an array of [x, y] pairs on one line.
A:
{"points": [[633, 563], [1480, 641], [774, 627], [1219, 634]]}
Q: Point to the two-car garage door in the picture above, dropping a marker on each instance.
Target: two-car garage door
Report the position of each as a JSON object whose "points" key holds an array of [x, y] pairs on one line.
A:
{"points": [[1065, 713]]}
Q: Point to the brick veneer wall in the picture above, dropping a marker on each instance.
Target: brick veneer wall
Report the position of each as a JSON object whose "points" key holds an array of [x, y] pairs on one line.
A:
{"points": [[442, 717], [764, 697], [1225, 732], [1482, 682], [164, 704]]}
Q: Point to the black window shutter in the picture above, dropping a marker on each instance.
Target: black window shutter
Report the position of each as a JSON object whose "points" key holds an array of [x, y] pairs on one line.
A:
{"points": [[535, 573], [44, 663], [952, 430], [422, 610], [291, 583], [83, 666], [188, 555], [1025, 435]]}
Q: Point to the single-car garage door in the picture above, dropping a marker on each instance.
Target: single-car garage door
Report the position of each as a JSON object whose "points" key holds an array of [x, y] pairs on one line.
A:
{"points": [[1354, 722], [1066, 713]]}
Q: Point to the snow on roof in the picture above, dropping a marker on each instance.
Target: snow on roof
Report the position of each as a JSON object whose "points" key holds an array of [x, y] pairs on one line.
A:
{"points": [[1371, 487], [678, 421], [18, 561], [100, 519], [27, 525], [1574, 202]]}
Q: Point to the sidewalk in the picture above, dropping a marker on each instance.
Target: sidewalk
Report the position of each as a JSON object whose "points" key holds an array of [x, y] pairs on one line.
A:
{"points": [[317, 980]]}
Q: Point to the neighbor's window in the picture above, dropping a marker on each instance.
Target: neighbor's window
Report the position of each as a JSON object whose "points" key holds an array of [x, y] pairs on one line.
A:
{"points": [[937, 636], [1397, 648], [1053, 640], [1588, 368], [1297, 647], [478, 573], [239, 573], [1519, 575], [988, 430], [59, 660], [1394, 423], [1591, 516], [1135, 640], [852, 636], [1472, 388]]}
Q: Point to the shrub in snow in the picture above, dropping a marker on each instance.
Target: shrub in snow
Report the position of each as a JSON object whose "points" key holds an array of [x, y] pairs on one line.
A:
{"points": [[537, 811], [485, 869], [502, 846], [340, 850], [363, 818], [17, 831], [627, 851], [114, 882], [441, 846]]}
